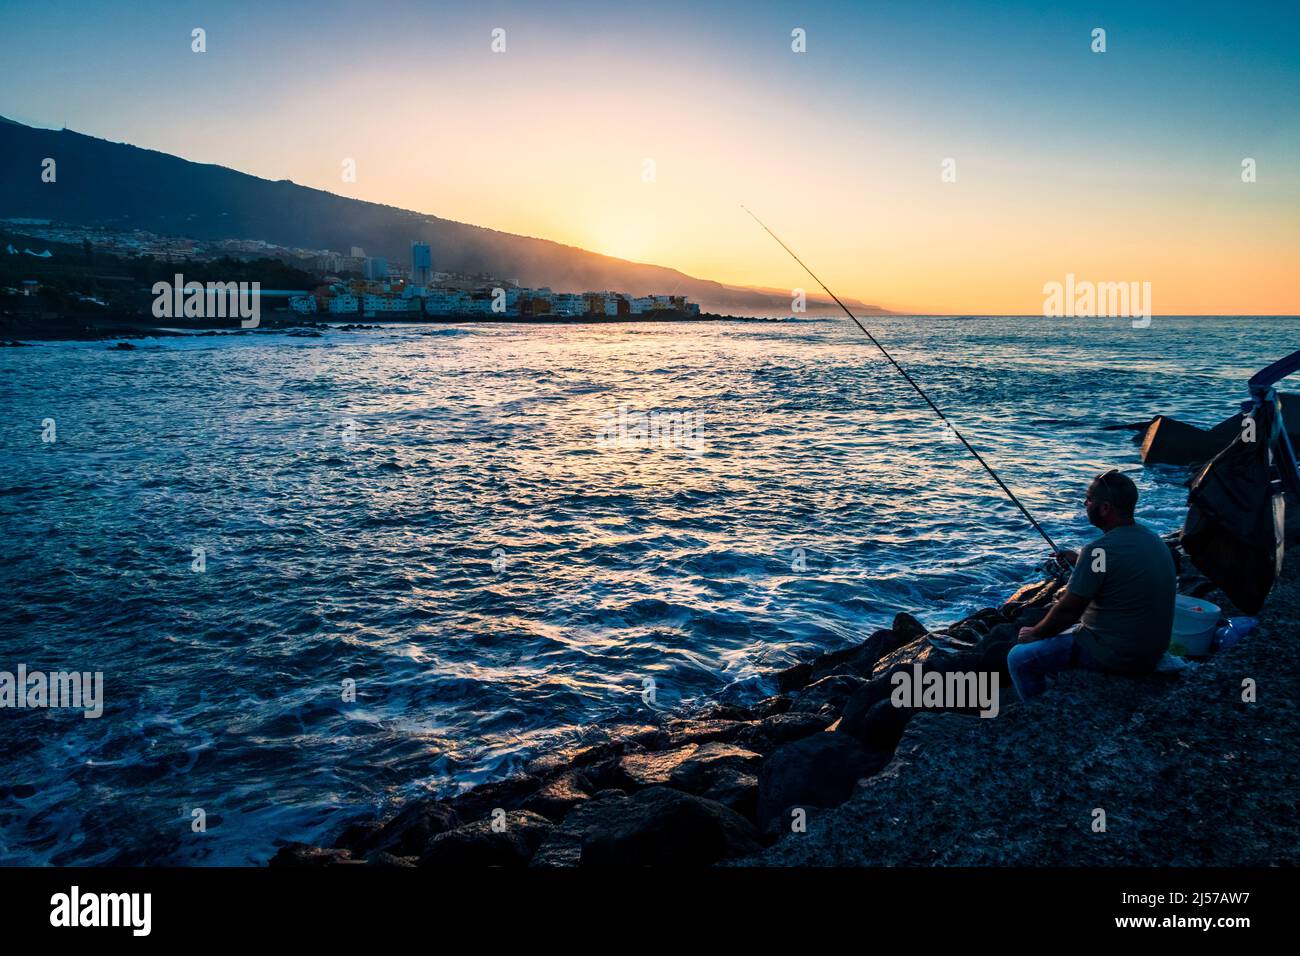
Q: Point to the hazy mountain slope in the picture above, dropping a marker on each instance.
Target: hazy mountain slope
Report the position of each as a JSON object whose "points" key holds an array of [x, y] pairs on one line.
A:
{"points": [[100, 182]]}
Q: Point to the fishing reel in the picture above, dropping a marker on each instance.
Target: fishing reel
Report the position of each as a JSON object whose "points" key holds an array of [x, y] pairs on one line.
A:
{"points": [[1056, 568]]}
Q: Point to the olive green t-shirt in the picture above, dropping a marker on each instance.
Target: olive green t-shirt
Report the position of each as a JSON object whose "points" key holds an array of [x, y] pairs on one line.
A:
{"points": [[1128, 576]]}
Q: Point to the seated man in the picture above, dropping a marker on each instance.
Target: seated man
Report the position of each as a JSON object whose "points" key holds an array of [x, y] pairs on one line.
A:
{"points": [[1117, 613]]}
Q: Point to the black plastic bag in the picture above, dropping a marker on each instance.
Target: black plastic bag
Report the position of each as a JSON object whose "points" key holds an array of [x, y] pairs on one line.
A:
{"points": [[1235, 515]]}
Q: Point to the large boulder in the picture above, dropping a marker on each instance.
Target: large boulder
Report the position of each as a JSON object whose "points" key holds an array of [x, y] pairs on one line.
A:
{"points": [[692, 767], [771, 706], [509, 793], [664, 827], [770, 733], [1038, 594], [880, 728], [562, 845], [729, 712], [721, 772], [827, 696], [794, 677], [596, 746], [406, 834], [303, 855], [853, 718], [478, 844], [906, 628], [702, 731], [560, 795], [857, 660], [818, 771]]}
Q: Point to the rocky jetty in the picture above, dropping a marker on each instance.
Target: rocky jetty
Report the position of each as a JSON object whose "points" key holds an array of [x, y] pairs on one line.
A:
{"points": [[1186, 769], [830, 771]]}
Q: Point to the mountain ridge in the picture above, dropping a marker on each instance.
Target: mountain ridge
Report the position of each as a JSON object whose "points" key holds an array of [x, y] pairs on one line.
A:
{"points": [[101, 182]]}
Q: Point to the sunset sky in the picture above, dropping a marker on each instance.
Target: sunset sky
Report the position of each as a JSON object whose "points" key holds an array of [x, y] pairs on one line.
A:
{"points": [[1119, 166]]}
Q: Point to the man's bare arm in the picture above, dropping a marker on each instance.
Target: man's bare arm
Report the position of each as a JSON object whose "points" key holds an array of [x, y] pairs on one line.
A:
{"points": [[1064, 613]]}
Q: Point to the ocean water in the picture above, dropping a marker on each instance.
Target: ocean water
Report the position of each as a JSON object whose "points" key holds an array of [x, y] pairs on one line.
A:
{"points": [[449, 518]]}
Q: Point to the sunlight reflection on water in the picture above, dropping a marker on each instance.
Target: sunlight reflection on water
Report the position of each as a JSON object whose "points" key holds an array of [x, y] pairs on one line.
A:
{"points": [[432, 516]]}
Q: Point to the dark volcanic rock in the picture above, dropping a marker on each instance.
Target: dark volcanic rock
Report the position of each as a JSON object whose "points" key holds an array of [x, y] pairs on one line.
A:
{"points": [[735, 789], [826, 697], [477, 844], [729, 712], [770, 733], [919, 649], [907, 628], [723, 773], [654, 768], [854, 716], [562, 845], [300, 854], [560, 795], [695, 774], [858, 660], [818, 771], [702, 731], [663, 827], [1031, 595], [794, 678], [686, 767], [771, 706], [595, 747], [406, 834], [509, 794], [880, 728]]}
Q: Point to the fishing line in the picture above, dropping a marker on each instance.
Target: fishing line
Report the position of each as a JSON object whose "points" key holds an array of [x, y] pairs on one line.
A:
{"points": [[911, 381]]}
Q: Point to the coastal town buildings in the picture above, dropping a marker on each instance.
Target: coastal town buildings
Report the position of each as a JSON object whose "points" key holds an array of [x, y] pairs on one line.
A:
{"points": [[356, 282], [373, 305], [568, 303], [344, 303]]}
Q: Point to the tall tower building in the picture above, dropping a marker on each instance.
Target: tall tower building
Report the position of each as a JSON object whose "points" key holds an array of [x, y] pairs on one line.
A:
{"points": [[421, 264]]}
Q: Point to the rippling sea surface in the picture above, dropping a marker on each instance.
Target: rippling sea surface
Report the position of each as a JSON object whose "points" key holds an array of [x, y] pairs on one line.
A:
{"points": [[433, 514]]}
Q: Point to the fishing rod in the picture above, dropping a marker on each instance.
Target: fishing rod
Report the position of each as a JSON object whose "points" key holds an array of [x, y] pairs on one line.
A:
{"points": [[911, 381]]}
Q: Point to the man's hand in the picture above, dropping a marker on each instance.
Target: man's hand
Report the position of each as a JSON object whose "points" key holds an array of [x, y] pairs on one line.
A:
{"points": [[1026, 635], [1069, 557]]}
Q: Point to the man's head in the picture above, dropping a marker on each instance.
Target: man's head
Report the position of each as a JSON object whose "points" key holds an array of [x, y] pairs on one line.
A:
{"points": [[1112, 496]]}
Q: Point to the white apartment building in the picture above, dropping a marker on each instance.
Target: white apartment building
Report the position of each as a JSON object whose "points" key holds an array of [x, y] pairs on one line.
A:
{"points": [[567, 303], [384, 303], [444, 301], [345, 303]]}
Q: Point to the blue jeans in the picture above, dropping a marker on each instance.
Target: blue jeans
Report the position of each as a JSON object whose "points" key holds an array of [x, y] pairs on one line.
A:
{"points": [[1030, 664]]}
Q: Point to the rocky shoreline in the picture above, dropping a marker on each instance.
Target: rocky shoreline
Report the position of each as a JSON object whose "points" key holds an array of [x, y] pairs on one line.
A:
{"points": [[764, 784]]}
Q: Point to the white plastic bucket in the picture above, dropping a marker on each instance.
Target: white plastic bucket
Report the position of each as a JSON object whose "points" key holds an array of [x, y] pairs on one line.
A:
{"points": [[1194, 623]]}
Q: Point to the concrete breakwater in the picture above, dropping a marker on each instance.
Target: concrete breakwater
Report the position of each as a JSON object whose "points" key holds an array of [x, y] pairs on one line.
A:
{"points": [[731, 783]]}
